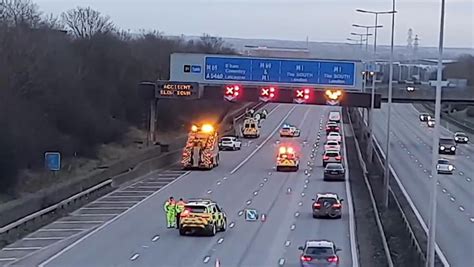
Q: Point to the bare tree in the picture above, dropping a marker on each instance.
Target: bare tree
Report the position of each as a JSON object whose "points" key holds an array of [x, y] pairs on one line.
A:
{"points": [[211, 44], [86, 22], [19, 12]]}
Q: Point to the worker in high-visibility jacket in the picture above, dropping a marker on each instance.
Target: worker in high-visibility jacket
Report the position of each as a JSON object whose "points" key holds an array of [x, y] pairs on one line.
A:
{"points": [[179, 208], [170, 209]]}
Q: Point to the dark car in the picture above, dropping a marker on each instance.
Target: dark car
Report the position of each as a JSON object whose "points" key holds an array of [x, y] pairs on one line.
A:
{"points": [[334, 171], [424, 116], [327, 205], [318, 253], [447, 146], [332, 127], [460, 137]]}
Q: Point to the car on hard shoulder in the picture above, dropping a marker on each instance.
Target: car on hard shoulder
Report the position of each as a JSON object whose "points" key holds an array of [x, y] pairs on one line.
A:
{"points": [[332, 127], [230, 143], [333, 136], [444, 167], [332, 145], [461, 138], [431, 122], [447, 146], [334, 172], [424, 116], [316, 253], [289, 131], [327, 205], [332, 156], [202, 216]]}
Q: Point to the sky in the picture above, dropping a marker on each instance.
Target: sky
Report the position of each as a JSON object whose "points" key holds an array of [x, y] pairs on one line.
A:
{"points": [[319, 20]]}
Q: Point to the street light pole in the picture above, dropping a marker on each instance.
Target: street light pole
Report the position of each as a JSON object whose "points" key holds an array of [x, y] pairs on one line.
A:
{"points": [[390, 89], [430, 262]]}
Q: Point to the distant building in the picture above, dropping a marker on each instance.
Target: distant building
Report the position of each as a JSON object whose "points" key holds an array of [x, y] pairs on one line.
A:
{"points": [[285, 52]]}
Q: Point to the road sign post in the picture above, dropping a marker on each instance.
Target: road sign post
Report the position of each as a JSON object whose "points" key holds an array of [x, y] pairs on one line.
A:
{"points": [[52, 161]]}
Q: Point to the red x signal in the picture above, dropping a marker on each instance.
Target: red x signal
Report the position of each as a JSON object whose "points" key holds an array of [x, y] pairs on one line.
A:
{"points": [[232, 90], [268, 92]]}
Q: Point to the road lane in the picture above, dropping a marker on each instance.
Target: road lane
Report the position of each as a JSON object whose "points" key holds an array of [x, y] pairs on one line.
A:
{"points": [[411, 159], [139, 237]]}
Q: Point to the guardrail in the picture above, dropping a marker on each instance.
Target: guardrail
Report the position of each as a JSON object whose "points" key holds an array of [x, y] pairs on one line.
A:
{"points": [[413, 225], [33, 221]]}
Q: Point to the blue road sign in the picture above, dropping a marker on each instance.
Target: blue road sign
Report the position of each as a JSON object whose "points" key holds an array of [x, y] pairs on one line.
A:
{"points": [[316, 72], [196, 69], [52, 161], [251, 215]]}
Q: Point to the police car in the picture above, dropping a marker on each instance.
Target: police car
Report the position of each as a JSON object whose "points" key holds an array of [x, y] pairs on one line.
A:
{"points": [[289, 131], [202, 216]]}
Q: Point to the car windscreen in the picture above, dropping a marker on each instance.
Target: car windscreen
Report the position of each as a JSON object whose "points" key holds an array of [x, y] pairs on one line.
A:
{"points": [[319, 251], [332, 154], [332, 143], [443, 161], [227, 139], [196, 209], [460, 134], [334, 167], [446, 141]]}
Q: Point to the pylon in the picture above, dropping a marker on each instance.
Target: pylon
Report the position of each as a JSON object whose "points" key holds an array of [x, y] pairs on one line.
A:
{"points": [[218, 263]]}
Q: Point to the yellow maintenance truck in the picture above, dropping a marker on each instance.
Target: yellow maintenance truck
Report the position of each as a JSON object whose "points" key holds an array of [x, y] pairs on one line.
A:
{"points": [[202, 149], [250, 128]]}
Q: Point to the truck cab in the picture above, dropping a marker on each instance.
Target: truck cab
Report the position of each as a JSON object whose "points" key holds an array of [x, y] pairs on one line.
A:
{"points": [[202, 148]]}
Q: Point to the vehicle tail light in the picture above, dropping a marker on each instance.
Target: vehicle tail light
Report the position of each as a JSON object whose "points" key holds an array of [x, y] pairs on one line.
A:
{"points": [[185, 213], [338, 158], [333, 259], [306, 258], [326, 157], [337, 128], [336, 205], [317, 205]]}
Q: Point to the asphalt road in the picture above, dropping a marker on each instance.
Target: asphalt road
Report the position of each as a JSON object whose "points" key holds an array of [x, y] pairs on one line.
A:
{"points": [[411, 159], [244, 179]]}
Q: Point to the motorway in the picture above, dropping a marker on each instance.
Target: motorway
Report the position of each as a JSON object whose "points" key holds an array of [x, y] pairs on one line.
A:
{"points": [[244, 179], [411, 143]]}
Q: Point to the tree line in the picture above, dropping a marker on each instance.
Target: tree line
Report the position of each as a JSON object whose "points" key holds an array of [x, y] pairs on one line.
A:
{"points": [[69, 83]]}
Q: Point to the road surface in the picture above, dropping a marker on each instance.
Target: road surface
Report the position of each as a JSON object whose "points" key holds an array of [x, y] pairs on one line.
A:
{"points": [[247, 178], [411, 159]]}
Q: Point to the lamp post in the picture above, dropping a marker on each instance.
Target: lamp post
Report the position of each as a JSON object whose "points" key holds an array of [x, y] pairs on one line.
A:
{"points": [[372, 101], [430, 262], [364, 74]]}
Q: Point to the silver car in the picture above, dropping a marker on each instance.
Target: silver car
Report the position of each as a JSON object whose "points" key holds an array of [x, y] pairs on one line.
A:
{"points": [[318, 253], [327, 205], [332, 156], [444, 167]]}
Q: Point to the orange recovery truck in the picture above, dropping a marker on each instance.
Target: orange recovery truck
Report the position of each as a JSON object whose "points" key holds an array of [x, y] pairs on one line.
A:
{"points": [[202, 148]]}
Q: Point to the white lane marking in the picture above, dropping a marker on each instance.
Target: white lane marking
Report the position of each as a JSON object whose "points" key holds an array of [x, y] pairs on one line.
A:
{"points": [[452, 199], [281, 262], [261, 184], [264, 141], [297, 214], [241, 213], [218, 182], [255, 193], [21, 248], [350, 208], [292, 227], [155, 238], [266, 179], [249, 202], [45, 238], [471, 219], [300, 203], [209, 191], [412, 205], [7, 259], [220, 240], [62, 251], [135, 256], [60, 230], [444, 190], [287, 243], [206, 259], [232, 224], [461, 208], [305, 186], [225, 178], [303, 194], [468, 179]]}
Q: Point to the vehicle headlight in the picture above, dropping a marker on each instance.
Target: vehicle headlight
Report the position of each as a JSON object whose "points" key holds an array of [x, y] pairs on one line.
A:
{"points": [[453, 148], [442, 148], [450, 167], [456, 138]]}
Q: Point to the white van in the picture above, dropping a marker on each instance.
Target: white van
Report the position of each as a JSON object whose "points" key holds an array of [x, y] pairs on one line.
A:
{"points": [[335, 116]]}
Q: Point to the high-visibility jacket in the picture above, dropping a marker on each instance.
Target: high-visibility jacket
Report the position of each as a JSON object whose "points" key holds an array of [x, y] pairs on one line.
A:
{"points": [[180, 206], [170, 206]]}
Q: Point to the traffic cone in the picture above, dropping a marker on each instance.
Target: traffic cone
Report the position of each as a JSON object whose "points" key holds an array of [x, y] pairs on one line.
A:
{"points": [[263, 217], [218, 263]]}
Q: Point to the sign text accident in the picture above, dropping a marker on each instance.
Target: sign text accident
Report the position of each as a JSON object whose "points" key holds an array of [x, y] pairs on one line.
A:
{"points": [[177, 90], [319, 72]]}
